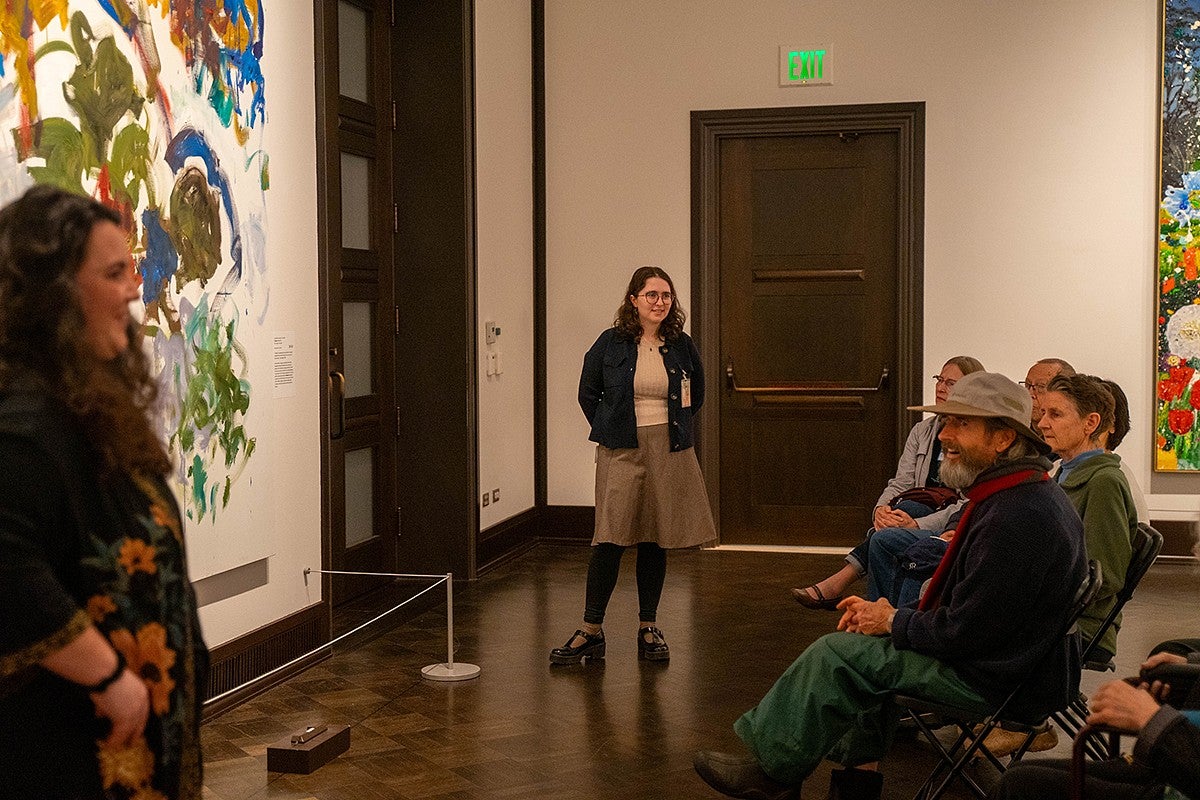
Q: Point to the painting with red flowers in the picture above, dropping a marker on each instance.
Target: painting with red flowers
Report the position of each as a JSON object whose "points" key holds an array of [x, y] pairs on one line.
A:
{"points": [[1177, 384]]}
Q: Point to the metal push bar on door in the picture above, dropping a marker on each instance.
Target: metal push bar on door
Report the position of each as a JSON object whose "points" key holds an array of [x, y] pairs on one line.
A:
{"points": [[732, 385]]}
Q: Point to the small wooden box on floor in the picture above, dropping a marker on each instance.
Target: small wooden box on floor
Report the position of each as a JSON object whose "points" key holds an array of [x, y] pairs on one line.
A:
{"points": [[311, 755]]}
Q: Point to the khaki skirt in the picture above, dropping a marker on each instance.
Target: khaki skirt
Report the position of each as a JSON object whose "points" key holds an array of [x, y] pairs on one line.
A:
{"points": [[650, 494]]}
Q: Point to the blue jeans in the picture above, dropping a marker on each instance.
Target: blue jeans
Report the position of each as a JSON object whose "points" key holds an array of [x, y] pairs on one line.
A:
{"points": [[885, 563], [859, 557]]}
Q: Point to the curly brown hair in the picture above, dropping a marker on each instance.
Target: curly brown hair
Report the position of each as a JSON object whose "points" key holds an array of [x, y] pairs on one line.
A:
{"points": [[43, 242], [627, 321]]}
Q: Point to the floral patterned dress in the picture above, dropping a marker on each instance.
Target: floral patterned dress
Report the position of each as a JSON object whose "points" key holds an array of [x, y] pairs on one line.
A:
{"points": [[78, 549]]}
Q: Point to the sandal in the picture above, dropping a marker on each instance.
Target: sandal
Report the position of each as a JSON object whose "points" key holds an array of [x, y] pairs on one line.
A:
{"points": [[812, 597]]}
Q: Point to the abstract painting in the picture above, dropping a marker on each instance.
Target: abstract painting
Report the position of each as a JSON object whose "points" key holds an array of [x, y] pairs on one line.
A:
{"points": [[157, 109]]}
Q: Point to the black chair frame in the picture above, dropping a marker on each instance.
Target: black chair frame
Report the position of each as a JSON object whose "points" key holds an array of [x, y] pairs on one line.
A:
{"points": [[975, 726], [1147, 543]]}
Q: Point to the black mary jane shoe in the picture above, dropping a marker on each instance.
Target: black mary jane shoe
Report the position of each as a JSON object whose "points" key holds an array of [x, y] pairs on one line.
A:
{"points": [[656, 648], [591, 647]]}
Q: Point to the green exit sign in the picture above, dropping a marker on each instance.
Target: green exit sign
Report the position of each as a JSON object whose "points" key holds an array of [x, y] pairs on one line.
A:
{"points": [[803, 66]]}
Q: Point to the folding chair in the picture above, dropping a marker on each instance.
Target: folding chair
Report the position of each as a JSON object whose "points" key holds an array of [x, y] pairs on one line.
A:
{"points": [[973, 725], [1147, 542]]}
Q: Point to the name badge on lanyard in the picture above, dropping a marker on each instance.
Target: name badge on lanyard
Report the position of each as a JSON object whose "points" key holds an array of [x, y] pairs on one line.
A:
{"points": [[685, 391]]}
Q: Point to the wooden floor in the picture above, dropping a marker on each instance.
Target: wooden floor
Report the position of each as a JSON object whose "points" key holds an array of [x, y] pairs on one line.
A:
{"points": [[618, 728]]}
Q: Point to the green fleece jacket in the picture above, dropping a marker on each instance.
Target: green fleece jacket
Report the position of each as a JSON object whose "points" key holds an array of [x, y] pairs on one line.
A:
{"points": [[1098, 490]]}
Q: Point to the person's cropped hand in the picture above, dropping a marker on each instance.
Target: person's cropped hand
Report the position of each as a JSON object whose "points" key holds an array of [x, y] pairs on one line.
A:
{"points": [[1122, 706], [126, 704], [880, 518], [946, 536], [865, 616], [1158, 659]]}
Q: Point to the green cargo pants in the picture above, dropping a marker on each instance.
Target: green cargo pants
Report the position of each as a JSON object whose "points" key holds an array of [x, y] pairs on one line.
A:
{"points": [[835, 700]]}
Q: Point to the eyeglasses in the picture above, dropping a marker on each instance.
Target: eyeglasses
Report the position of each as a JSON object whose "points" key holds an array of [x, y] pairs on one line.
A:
{"points": [[947, 382], [1034, 388], [653, 297]]}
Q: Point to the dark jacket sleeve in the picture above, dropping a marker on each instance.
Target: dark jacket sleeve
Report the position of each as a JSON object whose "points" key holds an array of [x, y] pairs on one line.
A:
{"points": [[38, 543], [1172, 750], [591, 380]]}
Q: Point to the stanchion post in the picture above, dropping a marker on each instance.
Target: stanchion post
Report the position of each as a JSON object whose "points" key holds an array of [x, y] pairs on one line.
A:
{"points": [[450, 620], [450, 671]]}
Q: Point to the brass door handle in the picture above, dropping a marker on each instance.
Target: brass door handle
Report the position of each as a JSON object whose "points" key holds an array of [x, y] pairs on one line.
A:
{"points": [[799, 388], [337, 388]]}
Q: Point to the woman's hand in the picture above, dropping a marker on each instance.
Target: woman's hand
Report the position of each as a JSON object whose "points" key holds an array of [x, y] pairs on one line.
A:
{"points": [[1122, 706], [880, 518], [87, 660], [886, 517], [126, 704]]}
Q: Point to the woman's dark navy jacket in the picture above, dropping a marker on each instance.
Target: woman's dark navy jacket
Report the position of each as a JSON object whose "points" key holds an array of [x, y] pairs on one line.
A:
{"points": [[606, 389]]}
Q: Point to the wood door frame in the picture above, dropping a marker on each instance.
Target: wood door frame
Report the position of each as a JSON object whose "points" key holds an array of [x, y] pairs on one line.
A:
{"points": [[709, 128]]}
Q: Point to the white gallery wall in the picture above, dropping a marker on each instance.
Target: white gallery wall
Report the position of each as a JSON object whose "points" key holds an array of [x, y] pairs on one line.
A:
{"points": [[291, 528], [1040, 171], [504, 254]]}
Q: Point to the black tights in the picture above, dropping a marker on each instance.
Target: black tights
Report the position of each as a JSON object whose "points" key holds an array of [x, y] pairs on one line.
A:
{"points": [[602, 579]]}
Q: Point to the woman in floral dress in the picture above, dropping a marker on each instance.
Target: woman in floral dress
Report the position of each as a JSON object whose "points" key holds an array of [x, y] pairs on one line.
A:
{"points": [[101, 658]]}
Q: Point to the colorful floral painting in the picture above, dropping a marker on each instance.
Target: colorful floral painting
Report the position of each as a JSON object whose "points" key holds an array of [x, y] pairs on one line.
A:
{"points": [[1177, 434], [157, 109]]}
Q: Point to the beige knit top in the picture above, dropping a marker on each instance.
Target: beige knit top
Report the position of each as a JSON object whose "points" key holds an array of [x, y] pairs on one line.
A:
{"points": [[650, 385]]}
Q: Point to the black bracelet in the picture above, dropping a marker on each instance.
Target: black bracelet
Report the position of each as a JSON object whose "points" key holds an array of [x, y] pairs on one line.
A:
{"points": [[104, 683]]}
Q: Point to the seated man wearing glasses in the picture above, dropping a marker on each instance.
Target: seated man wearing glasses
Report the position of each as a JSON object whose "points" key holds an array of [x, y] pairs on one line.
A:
{"points": [[990, 620], [1038, 378]]}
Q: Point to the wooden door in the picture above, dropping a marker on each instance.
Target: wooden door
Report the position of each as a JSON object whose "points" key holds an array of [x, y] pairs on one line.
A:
{"points": [[812, 272], [359, 309]]}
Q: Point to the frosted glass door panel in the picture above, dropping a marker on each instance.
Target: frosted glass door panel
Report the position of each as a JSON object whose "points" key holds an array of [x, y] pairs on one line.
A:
{"points": [[356, 202], [357, 323], [360, 485], [354, 49]]}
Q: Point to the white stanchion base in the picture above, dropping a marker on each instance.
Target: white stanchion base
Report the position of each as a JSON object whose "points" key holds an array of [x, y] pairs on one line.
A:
{"points": [[448, 672]]}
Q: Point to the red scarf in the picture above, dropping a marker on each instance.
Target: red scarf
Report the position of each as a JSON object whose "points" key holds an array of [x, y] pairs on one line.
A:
{"points": [[976, 493]]}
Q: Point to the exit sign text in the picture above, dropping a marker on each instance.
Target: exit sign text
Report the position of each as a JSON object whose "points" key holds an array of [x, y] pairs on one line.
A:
{"points": [[803, 66]]}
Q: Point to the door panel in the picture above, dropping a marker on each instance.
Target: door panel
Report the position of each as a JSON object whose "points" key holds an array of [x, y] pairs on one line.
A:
{"points": [[808, 229], [358, 324], [358, 298]]}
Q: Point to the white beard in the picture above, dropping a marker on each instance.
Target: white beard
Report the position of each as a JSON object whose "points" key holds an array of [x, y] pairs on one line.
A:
{"points": [[960, 473]]}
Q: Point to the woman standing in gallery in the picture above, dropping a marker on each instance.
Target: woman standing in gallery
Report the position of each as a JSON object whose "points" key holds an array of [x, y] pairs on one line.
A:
{"points": [[101, 658], [641, 385]]}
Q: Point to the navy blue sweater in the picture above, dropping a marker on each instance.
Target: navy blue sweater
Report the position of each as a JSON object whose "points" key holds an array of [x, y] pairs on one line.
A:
{"points": [[1007, 596]]}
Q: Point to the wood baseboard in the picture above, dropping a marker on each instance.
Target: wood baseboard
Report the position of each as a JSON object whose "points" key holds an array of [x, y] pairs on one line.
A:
{"points": [[236, 666], [567, 524], [507, 540]]}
